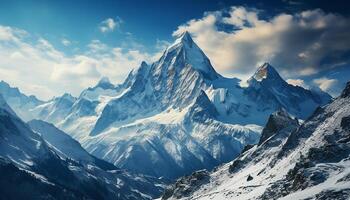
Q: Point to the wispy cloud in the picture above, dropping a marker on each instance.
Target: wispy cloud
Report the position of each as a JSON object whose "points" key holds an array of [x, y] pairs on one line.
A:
{"points": [[325, 84], [110, 24], [66, 42]]}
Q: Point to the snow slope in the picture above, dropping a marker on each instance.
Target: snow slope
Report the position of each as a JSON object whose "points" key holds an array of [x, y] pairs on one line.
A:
{"points": [[51, 165], [291, 161]]}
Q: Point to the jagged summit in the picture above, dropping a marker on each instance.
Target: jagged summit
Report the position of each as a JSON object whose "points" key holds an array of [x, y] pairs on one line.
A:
{"points": [[68, 96], [185, 52], [184, 38], [266, 72], [104, 83]]}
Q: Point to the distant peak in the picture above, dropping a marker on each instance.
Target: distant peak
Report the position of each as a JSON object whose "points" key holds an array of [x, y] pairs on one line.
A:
{"points": [[143, 63], [5, 84], [266, 71], [67, 96], [104, 83], [104, 79]]}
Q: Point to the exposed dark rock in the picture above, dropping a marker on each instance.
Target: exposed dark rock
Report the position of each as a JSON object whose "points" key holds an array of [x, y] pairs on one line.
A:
{"points": [[247, 147], [276, 122], [185, 186], [334, 195], [345, 123], [346, 91], [249, 178], [236, 164]]}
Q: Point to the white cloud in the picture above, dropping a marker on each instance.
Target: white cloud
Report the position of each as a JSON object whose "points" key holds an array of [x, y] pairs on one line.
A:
{"points": [[97, 46], [297, 82], [37, 67], [325, 84], [108, 25], [66, 42], [296, 44]]}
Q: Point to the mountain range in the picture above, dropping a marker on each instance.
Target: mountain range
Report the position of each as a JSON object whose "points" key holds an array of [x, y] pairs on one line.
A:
{"points": [[38, 161], [174, 116]]}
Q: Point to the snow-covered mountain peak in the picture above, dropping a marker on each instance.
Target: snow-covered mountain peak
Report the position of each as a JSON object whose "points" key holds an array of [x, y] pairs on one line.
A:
{"points": [[18, 101], [266, 72], [184, 38], [184, 52]]}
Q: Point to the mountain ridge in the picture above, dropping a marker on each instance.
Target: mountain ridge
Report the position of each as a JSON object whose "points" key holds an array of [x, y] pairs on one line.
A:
{"points": [[292, 161]]}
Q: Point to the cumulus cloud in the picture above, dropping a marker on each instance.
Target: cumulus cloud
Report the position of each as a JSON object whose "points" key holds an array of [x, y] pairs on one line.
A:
{"points": [[108, 25], [297, 44], [325, 84], [37, 67], [297, 82]]}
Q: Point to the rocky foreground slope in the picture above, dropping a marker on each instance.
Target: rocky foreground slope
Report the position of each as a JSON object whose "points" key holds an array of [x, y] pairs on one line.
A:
{"points": [[291, 161]]}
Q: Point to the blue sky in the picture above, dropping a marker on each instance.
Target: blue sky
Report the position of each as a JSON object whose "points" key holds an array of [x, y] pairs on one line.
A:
{"points": [[146, 21], [78, 42]]}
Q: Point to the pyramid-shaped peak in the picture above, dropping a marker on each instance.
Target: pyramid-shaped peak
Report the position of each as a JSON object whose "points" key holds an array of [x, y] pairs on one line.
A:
{"points": [[185, 36], [266, 71], [184, 39], [184, 52]]}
